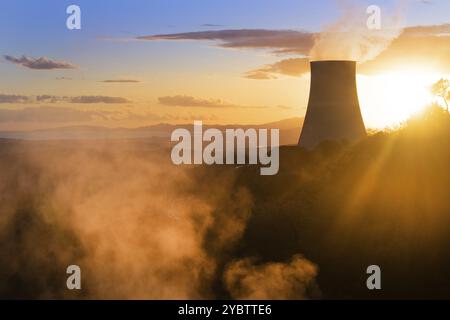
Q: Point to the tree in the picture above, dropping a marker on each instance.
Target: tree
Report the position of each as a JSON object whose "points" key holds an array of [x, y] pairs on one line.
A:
{"points": [[441, 89]]}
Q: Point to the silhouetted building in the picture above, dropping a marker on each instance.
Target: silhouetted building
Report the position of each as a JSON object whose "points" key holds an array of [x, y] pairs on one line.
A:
{"points": [[333, 109]]}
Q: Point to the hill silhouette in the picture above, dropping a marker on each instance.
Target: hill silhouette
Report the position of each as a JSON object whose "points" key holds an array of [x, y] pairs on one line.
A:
{"points": [[159, 133], [383, 201]]}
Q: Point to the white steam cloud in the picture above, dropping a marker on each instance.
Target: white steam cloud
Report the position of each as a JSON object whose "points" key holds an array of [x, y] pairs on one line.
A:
{"points": [[349, 38]]}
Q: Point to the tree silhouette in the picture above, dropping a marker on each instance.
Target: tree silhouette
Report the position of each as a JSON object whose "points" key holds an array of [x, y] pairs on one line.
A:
{"points": [[441, 89]]}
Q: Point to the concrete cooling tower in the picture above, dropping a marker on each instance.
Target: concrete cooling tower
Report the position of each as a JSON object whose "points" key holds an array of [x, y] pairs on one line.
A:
{"points": [[333, 109]]}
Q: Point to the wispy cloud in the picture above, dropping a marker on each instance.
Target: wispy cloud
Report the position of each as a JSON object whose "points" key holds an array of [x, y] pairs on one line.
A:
{"points": [[281, 41], [49, 114], [42, 63], [13, 98], [121, 81], [425, 45], [212, 25], [98, 99], [45, 98], [189, 101], [284, 107], [49, 99], [427, 31], [58, 114], [290, 67]]}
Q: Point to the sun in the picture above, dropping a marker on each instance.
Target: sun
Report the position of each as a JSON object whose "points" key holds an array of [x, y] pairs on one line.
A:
{"points": [[389, 99]]}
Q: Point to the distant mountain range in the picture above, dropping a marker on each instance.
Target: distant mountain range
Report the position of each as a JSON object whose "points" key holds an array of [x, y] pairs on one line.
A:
{"points": [[289, 132]]}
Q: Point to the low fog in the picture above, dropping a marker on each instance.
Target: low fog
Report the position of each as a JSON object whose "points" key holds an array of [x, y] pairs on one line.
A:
{"points": [[137, 225], [140, 227]]}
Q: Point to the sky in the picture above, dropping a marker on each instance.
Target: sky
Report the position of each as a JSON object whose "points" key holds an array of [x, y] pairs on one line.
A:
{"points": [[135, 63]]}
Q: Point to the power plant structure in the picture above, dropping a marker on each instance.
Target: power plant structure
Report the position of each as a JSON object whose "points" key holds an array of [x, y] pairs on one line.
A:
{"points": [[333, 111]]}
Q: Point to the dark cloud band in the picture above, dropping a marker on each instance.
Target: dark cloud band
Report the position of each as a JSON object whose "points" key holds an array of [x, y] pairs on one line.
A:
{"points": [[423, 45], [42, 63]]}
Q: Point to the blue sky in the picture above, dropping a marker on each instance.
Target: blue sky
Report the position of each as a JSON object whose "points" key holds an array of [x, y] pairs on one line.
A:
{"points": [[38, 27], [40, 21]]}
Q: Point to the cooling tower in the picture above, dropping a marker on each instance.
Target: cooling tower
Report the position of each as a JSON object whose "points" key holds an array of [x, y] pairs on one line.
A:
{"points": [[333, 109]]}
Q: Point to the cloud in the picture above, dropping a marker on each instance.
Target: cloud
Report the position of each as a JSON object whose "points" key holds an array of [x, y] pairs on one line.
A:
{"points": [[49, 99], [424, 45], [121, 81], [211, 25], [284, 107], [45, 98], [189, 101], [12, 98], [54, 114], [290, 67], [281, 41], [418, 47], [49, 114], [263, 73], [98, 99], [349, 37], [433, 30], [246, 280], [42, 63]]}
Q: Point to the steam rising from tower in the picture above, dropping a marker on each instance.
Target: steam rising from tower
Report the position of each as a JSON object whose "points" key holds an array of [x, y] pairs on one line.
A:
{"points": [[333, 109]]}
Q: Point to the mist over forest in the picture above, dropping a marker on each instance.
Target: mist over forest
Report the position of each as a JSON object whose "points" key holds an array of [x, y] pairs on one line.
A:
{"points": [[140, 227]]}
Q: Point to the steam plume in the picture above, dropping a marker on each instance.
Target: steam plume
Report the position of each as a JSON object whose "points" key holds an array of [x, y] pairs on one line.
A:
{"points": [[349, 38]]}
